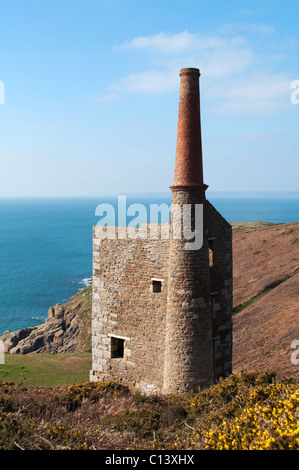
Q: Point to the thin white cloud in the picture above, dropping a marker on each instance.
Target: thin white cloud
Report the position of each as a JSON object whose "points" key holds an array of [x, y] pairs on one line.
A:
{"points": [[147, 82], [216, 56], [184, 42], [228, 61], [258, 93], [163, 43]]}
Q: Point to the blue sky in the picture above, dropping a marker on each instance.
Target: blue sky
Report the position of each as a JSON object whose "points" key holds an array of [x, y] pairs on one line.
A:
{"points": [[91, 94]]}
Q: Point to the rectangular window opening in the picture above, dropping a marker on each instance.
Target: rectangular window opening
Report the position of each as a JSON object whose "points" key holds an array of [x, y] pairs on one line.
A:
{"points": [[117, 347], [211, 252], [156, 286]]}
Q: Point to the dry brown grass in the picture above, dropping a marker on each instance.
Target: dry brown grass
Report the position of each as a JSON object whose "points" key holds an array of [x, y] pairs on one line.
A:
{"points": [[99, 416]]}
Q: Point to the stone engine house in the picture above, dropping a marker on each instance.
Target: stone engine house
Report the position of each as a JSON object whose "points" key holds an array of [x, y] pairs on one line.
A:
{"points": [[161, 317]]}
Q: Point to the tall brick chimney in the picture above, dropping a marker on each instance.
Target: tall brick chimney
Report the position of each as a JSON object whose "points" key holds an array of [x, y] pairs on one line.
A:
{"points": [[166, 325], [188, 358], [188, 163]]}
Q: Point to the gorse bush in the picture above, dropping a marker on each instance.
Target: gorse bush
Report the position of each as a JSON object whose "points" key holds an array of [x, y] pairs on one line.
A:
{"points": [[73, 396], [245, 411], [269, 420]]}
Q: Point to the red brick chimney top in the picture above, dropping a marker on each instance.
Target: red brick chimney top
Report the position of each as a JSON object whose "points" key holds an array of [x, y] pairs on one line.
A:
{"points": [[188, 173]]}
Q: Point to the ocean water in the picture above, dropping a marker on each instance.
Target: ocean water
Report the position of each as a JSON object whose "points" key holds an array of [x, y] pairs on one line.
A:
{"points": [[46, 245]]}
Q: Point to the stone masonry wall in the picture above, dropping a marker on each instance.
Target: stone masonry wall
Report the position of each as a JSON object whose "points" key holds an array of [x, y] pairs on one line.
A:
{"points": [[126, 308], [189, 361], [173, 340], [220, 241]]}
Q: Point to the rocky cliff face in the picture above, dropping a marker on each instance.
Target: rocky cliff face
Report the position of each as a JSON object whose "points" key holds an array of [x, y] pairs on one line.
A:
{"points": [[67, 329]]}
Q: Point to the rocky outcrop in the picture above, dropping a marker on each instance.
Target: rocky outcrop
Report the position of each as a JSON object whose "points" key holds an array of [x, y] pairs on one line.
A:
{"points": [[65, 330], [12, 338]]}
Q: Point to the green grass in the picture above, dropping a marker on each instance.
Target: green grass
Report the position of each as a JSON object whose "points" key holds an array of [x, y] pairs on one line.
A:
{"points": [[46, 370]]}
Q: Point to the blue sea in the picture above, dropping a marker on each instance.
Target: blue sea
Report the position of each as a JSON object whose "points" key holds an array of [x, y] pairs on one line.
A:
{"points": [[46, 244]]}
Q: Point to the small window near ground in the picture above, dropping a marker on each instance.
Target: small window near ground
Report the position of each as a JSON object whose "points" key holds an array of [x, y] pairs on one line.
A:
{"points": [[117, 347], [156, 286]]}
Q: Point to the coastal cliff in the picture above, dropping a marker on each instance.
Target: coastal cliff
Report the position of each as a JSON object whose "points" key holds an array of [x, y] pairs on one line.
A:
{"points": [[67, 329], [266, 305]]}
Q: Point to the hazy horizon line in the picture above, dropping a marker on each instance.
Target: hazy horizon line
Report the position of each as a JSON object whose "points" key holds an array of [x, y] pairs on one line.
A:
{"points": [[254, 193]]}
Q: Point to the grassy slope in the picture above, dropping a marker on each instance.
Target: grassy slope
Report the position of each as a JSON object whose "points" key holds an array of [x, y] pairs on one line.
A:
{"points": [[47, 370], [55, 369]]}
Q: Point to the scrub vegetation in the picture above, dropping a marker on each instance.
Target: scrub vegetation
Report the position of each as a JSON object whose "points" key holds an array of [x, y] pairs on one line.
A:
{"points": [[248, 410]]}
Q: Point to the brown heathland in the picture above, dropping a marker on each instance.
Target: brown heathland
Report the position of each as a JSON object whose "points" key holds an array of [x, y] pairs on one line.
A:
{"points": [[266, 262]]}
